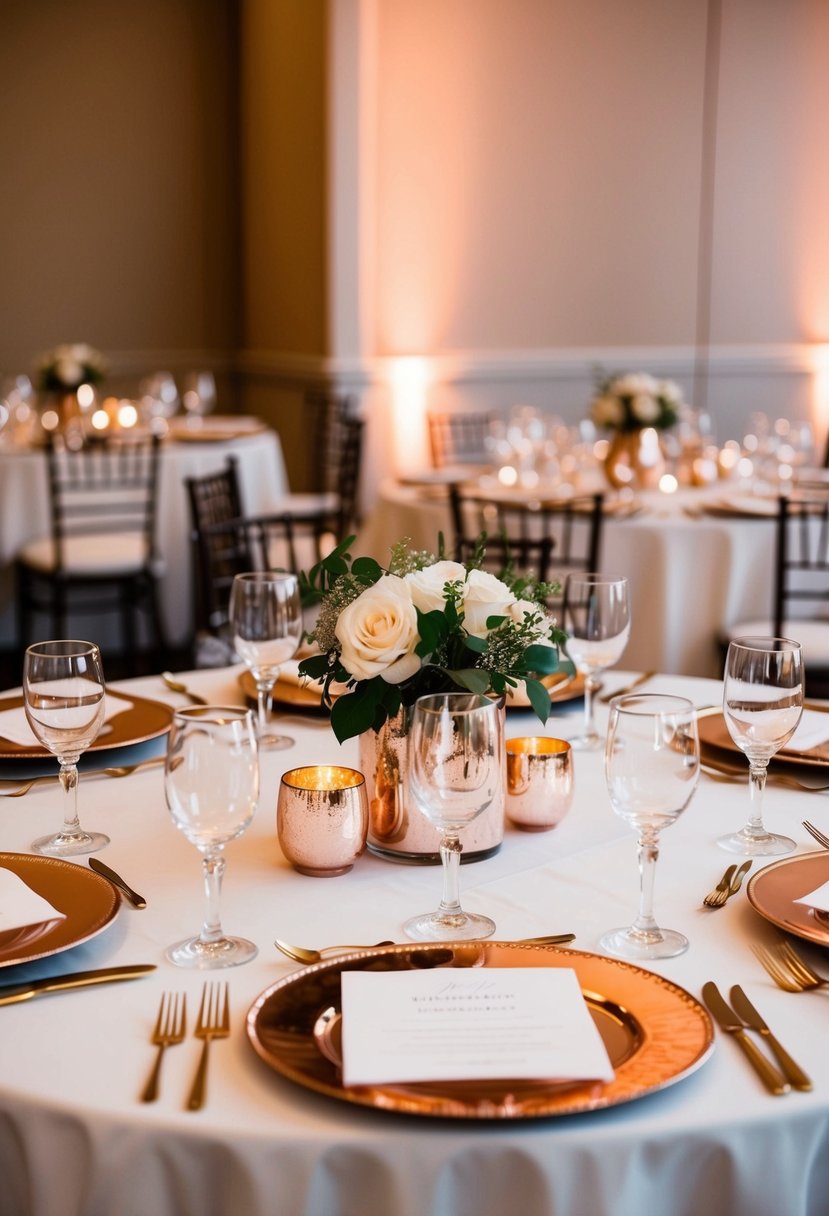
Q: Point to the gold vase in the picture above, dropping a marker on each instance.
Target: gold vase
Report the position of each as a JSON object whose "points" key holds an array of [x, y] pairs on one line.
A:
{"points": [[397, 830], [635, 459]]}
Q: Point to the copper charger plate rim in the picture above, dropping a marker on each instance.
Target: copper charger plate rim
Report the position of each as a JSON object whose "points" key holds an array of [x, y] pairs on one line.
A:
{"points": [[154, 720], [713, 733], [659, 1012], [89, 903], [773, 890]]}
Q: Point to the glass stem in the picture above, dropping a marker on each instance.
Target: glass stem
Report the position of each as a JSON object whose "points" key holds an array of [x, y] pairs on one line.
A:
{"points": [[648, 848], [591, 686], [450, 856], [264, 689], [757, 785], [213, 867], [68, 777]]}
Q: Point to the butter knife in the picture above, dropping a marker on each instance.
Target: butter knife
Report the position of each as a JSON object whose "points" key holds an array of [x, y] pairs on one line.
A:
{"points": [[11, 994], [137, 901], [731, 1024], [634, 684], [791, 1071]]}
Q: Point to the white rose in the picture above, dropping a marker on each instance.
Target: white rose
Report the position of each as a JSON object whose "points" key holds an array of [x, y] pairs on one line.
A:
{"points": [[635, 382], [427, 585], [378, 632], [521, 609], [644, 408], [669, 391], [69, 372], [484, 596]]}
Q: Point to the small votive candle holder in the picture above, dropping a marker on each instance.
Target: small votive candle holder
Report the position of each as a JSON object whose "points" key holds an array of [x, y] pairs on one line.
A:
{"points": [[539, 782], [322, 818]]}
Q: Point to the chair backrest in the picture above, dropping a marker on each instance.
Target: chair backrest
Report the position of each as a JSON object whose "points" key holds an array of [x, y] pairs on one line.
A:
{"points": [[337, 458], [459, 437], [215, 499], [103, 487], [263, 542], [548, 539], [801, 576]]}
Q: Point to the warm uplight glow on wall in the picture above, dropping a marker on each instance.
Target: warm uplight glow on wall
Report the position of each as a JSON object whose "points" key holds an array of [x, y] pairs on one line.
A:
{"points": [[409, 381], [820, 391]]}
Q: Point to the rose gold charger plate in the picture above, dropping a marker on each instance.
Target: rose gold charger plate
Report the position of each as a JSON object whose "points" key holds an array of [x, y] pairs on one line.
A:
{"points": [[773, 890], [655, 1033], [89, 904], [715, 740], [289, 692], [139, 721], [216, 428]]}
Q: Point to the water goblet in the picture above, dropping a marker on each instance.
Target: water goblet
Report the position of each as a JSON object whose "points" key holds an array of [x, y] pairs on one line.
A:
{"points": [[596, 618], [762, 705], [652, 770], [211, 784], [456, 748], [64, 700], [266, 619]]}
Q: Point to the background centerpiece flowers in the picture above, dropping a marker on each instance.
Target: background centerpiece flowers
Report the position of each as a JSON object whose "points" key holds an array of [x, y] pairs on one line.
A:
{"points": [[67, 367], [424, 625], [634, 400]]}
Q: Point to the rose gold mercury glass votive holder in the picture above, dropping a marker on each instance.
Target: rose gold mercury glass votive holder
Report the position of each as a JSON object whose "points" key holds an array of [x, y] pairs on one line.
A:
{"points": [[322, 818], [539, 782]]}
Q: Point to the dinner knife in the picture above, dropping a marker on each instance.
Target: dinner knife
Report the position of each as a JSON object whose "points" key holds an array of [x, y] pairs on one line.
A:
{"points": [[11, 994], [137, 901], [791, 1071], [731, 1024]]}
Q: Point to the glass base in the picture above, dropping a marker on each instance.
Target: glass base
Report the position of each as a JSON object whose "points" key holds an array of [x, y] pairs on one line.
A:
{"points": [[635, 944], [587, 743], [748, 844], [207, 956], [69, 844], [435, 927], [275, 743]]}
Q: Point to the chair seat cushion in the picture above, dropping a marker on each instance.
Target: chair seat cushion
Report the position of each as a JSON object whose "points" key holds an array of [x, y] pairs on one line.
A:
{"points": [[812, 635], [113, 554]]}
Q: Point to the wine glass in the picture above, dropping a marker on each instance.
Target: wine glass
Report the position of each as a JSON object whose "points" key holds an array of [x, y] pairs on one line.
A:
{"points": [[198, 396], [651, 769], [266, 619], [211, 783], [64, 699], [456, 748], [762, 705], [596, 618]]}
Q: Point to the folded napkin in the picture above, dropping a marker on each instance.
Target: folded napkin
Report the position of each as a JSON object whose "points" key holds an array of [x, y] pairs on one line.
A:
{"points": [[14, 725], [20, 906], [812, 730], [818, 899]]}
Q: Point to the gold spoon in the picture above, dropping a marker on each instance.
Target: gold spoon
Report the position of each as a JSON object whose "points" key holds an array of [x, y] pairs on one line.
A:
{"points": [[176, 686], [301, 955]]}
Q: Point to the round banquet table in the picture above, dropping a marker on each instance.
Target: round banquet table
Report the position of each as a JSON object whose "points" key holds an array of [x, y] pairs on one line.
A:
{"points": [[24, 513], [76, 1141], [692, 573]]}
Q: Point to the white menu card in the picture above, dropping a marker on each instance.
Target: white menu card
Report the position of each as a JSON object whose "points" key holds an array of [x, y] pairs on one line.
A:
{"points": [[20, 906], [455, 1024], [818, 899]]}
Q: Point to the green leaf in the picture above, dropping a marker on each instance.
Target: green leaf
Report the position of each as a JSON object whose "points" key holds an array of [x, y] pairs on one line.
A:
{"points": [[492, 622], [477, 645], [367, 570], [539, 698], [471, 678], [432, 629], [315, 667], [543, 659], [351, 715]]}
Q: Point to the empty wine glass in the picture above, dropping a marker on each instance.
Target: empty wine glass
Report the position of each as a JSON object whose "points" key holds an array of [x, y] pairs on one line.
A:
{"points": [[456, 748], [762, 705], [64, 699], [211, 784], [198, 396], [651, 769], [596, 618], [266, 619]]}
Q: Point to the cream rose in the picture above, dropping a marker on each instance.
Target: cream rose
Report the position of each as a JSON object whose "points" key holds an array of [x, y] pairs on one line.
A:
{"points": [[521, 609], [377, 632], [484, 596], [427, 585], [607, 411], [644, 408]]}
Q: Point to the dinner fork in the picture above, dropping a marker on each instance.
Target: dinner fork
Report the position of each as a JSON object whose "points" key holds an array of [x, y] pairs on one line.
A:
{"points": [[169, 1030], [213, 1023], [122, 770], [720, 893], [816, 832], [788, 970]]}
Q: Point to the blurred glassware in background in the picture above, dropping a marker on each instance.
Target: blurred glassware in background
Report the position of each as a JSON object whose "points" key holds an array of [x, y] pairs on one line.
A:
{"points": [[198, 395], [159, 401]]}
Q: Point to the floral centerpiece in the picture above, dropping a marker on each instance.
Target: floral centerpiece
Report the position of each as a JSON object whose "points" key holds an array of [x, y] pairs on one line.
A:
{"points": [[424, 625], [67, 367], [634, 400]]}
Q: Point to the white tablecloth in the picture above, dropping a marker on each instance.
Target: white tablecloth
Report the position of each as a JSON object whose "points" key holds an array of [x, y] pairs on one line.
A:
{"points": [[24, 513], [75, 1140], [691, 576]]}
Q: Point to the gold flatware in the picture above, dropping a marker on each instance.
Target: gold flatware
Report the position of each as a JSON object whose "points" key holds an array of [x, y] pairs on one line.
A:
{"points": [[737, 880], [717, 897], [631, 687], [168, 1031], [302, 955], [137, 901], [792, 1071], [123, 770], [11, 994], [176, 686], [213, 1023], [816, 833], [788, 970], [732, 1025]]}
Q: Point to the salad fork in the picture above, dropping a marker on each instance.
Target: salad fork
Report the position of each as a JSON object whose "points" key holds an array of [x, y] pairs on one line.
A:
{"points": [[816, 833], [169, 1030], [788, 970], [213, 1023]]}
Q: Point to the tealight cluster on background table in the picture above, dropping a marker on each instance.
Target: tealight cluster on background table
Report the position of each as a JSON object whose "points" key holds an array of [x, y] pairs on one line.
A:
{"points": [[75, 1139]]}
